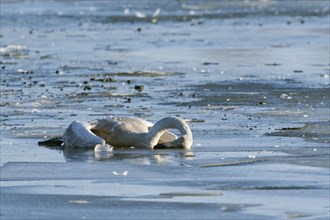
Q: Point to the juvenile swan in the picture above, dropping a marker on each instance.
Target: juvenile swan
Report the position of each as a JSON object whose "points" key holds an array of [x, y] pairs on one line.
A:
{"points": [[128, 132]]}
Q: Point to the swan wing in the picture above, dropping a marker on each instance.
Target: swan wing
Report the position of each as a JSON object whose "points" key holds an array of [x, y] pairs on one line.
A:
{"points": [[104, 128], [121, 132], [125, 124], [134, 125], [137, 125], [126, 131]]}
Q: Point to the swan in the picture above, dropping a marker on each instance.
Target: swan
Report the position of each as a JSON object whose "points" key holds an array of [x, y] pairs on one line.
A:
{"points": [[128, 132]]}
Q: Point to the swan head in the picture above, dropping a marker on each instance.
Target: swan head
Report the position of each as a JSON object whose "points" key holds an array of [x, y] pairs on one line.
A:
{"points": [[184, 141]]}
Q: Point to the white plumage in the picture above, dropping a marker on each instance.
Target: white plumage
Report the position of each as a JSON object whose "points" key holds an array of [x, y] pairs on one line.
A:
{"points": [[128, 132]]}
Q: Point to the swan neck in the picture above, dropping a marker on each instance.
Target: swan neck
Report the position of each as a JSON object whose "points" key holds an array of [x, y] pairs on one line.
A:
{"points": [[164, 124]]}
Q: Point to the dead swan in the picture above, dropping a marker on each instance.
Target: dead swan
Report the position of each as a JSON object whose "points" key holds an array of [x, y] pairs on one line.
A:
{"points": [[128, 132]]}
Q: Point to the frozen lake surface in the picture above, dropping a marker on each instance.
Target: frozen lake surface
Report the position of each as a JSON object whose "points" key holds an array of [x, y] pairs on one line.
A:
{"points": [[251, 78]]}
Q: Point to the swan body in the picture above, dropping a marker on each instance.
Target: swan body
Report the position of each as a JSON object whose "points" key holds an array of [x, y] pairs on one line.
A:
{"points": [[128, 132]]}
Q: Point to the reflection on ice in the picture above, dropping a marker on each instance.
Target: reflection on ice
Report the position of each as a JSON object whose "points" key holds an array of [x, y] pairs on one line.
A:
{"points": [[133, 156], [102, 151]]}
